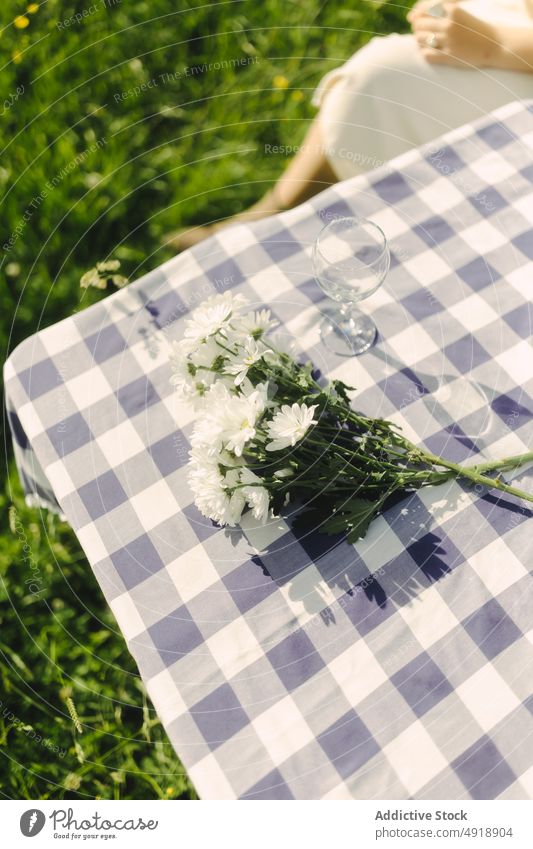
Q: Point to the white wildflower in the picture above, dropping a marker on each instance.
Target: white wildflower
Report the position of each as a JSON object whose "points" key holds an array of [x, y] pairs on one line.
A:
{"points": [[249, 353], [108, 265], [284, 343], [93, 278], [206, 437], [102, 274], [238, 421], [206, 353], [213, 491], [212, 316], [257, 496], [255, 323], [228, 420], [203, 382], [289, 425], [257, 395], [182, 374]]}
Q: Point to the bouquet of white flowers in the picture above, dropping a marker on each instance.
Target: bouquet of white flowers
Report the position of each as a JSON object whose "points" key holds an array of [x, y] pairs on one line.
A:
{"points": [[268, 433]]}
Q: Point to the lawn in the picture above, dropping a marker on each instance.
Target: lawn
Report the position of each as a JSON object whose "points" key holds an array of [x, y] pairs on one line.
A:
{"points": [[120, 122]]}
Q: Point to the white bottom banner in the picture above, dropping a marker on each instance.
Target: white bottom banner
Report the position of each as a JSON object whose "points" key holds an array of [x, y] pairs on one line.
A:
{"points": [[255, 825]]}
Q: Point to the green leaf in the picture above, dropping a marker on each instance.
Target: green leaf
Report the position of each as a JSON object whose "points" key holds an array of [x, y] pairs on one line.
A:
{"points": [[355, 517], [342, 389]]}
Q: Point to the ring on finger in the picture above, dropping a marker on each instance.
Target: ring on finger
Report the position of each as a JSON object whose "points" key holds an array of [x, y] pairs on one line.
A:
{"points": [[432, 40]]}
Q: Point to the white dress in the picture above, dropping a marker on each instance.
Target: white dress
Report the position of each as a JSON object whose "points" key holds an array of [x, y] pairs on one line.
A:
{"points": [[387, 98]]}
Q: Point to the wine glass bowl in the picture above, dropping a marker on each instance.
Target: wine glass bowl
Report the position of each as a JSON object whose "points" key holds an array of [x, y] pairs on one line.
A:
{"points": [[350, 260]]}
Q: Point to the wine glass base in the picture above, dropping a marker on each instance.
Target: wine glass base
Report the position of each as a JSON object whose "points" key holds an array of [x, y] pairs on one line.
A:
{"points": [[349, 334]]}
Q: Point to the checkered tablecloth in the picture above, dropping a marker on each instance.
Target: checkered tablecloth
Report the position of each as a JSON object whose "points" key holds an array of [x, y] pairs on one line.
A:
{"points": [[302, 667]]}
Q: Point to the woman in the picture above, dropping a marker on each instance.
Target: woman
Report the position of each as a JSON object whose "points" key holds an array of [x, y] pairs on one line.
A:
{"points": [[461, 61]]}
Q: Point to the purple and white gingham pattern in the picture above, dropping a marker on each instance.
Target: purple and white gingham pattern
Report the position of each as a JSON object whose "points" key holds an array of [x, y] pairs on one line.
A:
{"points": [[297, 666]]}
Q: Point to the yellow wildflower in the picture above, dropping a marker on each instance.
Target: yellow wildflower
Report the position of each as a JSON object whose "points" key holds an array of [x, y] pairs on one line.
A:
{"points": [[16, 56], [280, 81], [297, 96], [21, 21], [32, 8]]}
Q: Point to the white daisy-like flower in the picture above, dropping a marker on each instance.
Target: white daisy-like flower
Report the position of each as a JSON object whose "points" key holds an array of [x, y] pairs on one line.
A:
{"points": [[284, 343], [213, 493], [248, 354], [229, 420], [212, 316], [206, 437], [289, 425], [183, 375], [255, 323], [257, 395], [238, 420], [208, 355], [192, 370], [204, 383], [257, 496]]}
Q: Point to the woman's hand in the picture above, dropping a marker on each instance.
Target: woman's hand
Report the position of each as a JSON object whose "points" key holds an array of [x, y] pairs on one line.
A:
{"points": [[458, 38]]}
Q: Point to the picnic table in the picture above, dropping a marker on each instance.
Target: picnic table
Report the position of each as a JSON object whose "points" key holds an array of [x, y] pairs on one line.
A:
{"points": [[289, 665]]}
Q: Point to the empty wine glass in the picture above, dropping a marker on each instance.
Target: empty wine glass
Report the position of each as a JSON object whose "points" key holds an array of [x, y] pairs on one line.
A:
{"points": [[350, 261]]}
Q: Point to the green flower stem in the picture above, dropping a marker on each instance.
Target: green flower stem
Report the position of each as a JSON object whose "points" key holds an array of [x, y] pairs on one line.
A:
{"points": [[385, 441], [472, 473], [353, 455], [225, 348], [505, 465]]}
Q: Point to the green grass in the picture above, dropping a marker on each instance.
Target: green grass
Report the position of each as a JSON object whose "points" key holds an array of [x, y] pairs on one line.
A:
{"points": [[102, 176]]}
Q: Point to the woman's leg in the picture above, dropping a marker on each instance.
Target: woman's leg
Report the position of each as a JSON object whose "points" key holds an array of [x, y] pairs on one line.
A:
{"points": [[308, 173], [385, 100]]}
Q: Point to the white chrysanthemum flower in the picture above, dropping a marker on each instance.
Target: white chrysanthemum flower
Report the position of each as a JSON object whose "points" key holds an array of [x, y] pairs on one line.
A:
{"points": [[213, 492], [206, 437], [182, 373], [256, 395], [218, 395], [289, 425], [208, 355], [206, 382], [212, 316], [257, 496], [255, 323], [248, 354], [229, 420], [192, 373], [238, 420]]}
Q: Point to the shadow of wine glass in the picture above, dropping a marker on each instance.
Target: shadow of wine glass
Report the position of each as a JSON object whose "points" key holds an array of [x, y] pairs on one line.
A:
{"points": [[449, 399], [464, 408]]}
